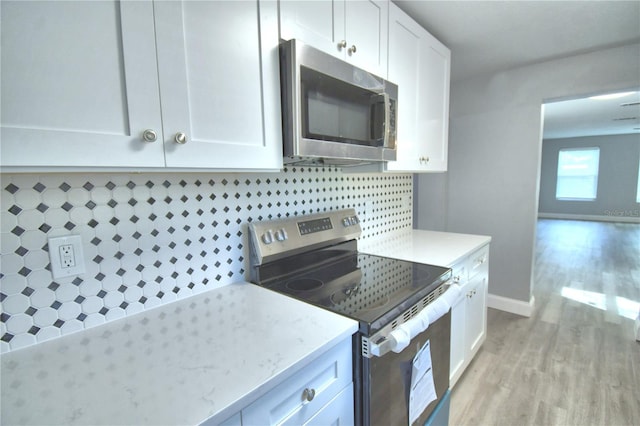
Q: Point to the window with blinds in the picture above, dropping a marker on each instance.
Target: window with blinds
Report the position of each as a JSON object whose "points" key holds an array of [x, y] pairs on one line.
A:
{"points": [[578, 174]]}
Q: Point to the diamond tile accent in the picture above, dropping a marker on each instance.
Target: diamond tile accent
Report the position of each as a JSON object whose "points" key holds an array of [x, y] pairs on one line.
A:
{"points": [[150, 239], [11, 188], [39, 187]]}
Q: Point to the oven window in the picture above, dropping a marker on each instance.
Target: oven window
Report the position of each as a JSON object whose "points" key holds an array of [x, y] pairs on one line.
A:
{"points": [[334, 110]]}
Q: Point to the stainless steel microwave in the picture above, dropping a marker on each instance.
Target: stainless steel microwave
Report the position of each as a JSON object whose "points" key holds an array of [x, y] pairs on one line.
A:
{"points": [[332, 112]]}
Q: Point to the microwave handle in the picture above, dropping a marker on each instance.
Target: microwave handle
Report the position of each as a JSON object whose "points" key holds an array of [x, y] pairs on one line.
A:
{"points": [[387, 119]]}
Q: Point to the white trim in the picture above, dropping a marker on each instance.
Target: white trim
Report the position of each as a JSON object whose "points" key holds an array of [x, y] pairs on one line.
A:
{"points": [[514, 306], [599, 218]]}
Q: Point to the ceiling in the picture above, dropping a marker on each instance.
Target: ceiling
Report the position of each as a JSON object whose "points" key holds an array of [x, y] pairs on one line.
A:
{"points": [[592, 117], [488, 36]]}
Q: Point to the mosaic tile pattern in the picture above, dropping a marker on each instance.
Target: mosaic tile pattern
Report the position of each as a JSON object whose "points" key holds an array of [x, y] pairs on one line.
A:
{"points": [[149, 239]]}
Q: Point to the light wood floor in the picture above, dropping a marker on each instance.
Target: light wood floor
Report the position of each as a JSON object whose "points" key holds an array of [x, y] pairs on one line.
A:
{"points": [[571, 363]]}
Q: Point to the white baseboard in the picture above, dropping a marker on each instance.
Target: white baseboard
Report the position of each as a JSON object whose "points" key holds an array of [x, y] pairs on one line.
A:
{"points": [[597, 218], [513, 306]]}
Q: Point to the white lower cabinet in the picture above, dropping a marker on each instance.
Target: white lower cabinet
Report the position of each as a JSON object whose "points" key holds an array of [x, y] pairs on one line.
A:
{"points": [[476, 325], [339, 411], [320, 393], [234, 420], [458, 353], [469, 312]]}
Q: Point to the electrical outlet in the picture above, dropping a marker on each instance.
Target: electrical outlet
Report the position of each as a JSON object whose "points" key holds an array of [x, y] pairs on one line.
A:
{"points": [[407, 204], [368, 210], [67, 258]]}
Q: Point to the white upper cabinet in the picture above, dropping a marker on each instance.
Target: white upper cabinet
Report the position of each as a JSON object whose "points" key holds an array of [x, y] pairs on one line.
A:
{"points": [[420, 66], [199, 80], [79, 84], [219, 85], [356, 31]]}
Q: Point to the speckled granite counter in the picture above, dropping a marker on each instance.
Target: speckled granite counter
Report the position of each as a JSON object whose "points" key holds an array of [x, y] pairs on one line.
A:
{"points": [[432, 247], [182, 363]]}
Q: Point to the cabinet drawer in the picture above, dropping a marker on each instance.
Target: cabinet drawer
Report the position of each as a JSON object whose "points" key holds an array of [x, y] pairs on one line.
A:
{"points": [[339, 411], [287, 403], [478, 262], [234, 420]]}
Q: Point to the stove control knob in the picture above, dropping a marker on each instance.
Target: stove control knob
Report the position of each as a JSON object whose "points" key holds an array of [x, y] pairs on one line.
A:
{"points": [[346, 222], [281, 234], [267, 237]]}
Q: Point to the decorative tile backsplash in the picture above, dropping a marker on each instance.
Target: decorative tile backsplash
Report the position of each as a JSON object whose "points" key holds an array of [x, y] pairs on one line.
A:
{"points": [[149, 239]]}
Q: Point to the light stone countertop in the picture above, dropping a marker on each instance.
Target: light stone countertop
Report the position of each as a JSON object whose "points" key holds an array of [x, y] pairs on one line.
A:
{"points": [[431, 247], [181, 363]]}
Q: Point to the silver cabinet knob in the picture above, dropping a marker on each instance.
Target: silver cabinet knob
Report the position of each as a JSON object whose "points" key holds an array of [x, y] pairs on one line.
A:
{"points": [[308, 394], [352, 50], [149, 135], [342, 44], [180, 138], [424, 160]]}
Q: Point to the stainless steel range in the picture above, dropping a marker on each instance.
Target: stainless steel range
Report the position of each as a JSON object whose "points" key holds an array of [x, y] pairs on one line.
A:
{"points": [[401, 352]]}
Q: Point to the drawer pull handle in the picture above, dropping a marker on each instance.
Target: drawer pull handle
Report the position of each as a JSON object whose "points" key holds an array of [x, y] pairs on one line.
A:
{"points": [[308, 394]]}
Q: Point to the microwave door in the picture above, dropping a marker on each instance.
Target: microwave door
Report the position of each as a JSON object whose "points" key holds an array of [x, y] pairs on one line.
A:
{"points": [[336, 111]]}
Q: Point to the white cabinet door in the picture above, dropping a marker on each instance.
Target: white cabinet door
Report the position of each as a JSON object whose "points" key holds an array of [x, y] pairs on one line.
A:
{"points": [[367, 35], [433, 122], [219, 83], [420, 65], [319, 23], [458, 348], [355, 31], [476, 325], [79, 81]]}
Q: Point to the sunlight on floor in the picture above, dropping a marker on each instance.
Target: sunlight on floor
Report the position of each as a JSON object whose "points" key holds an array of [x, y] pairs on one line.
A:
{"points": [[625, 307]]}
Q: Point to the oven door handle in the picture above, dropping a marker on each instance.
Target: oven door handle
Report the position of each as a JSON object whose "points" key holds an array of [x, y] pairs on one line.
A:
{"points": [[400, 338]]}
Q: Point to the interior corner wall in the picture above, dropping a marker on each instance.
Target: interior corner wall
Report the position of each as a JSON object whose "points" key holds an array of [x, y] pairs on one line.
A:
{"points": [[495, 151], [617, 178], [430, 211]]}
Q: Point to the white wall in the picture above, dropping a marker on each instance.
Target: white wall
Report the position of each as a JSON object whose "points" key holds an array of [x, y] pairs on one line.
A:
{"points": [[494, 155]]}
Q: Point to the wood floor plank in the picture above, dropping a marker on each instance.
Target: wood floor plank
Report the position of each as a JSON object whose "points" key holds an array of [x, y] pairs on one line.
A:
{"points": [[575, 361]]}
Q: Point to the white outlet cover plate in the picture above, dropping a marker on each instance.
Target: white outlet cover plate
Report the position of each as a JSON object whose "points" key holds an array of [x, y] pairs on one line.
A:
{"points": [[54, 255]]}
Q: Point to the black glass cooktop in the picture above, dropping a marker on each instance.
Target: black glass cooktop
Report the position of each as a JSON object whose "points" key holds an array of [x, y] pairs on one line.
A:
{"points": [[371, 289]]}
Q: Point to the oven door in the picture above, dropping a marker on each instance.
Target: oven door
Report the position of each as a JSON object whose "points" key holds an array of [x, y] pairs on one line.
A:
{"points": [[386, 380]]}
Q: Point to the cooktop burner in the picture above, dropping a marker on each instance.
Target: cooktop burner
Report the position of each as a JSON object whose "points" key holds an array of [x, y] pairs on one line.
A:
{"points": [[303, 284]]}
